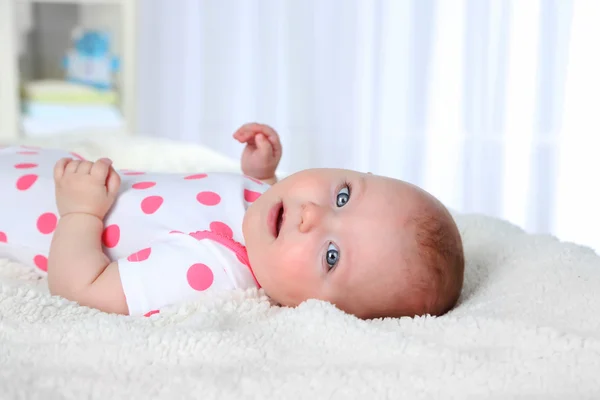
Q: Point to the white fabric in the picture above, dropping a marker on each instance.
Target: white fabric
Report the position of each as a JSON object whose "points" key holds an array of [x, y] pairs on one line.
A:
{"points": [[490, 105], [526, 326], [175, 268]]}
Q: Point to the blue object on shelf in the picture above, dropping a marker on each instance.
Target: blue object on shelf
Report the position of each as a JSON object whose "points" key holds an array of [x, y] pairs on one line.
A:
{"points": [[90, 61]]}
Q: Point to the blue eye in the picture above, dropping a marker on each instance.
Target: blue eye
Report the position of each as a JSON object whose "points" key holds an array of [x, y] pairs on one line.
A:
{"points": [[343, 196], [333, 256]]}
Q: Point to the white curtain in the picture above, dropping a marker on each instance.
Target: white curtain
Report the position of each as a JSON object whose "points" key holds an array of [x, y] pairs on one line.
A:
{"points": [[493, 106]]}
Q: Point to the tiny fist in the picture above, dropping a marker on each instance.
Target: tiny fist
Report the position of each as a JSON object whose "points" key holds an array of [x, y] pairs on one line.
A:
{"points": [[106, 161]]}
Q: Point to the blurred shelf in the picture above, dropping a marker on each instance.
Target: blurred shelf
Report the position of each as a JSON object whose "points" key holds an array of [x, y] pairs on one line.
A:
{"points": [[15, 124]]}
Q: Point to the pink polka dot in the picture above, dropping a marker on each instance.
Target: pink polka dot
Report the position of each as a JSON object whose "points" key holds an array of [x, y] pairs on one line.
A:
{"points": [[26, 181], [175, 232], [143, 185], [46, 223], [77, 156], [25, 165], [250, 195], [3, 238], [255, 180], [141, 255], [41, 262], [151, 203], [199, 235], [196, 176], [111, 236], [208, 198], [150, 313], [200, 277], [133, 173], [221, 228], [28, 152]]}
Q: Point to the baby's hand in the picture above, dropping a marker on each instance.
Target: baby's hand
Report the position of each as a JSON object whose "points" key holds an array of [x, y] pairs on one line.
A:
{"points": [[263, 150], [85, 186]]}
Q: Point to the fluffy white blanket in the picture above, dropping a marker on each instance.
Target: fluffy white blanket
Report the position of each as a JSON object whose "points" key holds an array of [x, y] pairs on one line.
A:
{"points": [[527, 326]]}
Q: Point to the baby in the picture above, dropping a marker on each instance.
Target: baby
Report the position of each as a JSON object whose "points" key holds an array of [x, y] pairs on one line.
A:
{"points": [[130, 242]]}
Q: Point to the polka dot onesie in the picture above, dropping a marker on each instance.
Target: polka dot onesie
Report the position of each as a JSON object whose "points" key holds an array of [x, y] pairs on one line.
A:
{"points": [[173, 235]]}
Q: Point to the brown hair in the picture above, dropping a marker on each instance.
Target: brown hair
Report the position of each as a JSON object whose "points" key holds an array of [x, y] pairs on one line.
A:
{"points": [[440, 248], [435, 271]]}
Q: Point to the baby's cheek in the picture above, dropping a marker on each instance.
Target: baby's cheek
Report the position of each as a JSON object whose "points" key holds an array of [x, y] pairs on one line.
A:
{"points": [[287, 269], [291, 267], [299, 268], [295, 278]]}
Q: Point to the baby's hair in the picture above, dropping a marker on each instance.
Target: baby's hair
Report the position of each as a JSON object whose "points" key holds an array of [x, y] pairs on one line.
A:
{"points": [[434, 270], [440, 248]]}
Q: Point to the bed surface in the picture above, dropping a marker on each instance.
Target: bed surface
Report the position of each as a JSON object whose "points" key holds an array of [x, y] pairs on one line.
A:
{"points": [[527, 325]]}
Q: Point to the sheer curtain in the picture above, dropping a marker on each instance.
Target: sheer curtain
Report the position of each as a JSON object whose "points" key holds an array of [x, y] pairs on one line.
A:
{"points": [[493, 106]]}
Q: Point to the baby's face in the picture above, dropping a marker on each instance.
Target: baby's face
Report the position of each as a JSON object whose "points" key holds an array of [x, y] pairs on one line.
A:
{"points": [[334, 235]]}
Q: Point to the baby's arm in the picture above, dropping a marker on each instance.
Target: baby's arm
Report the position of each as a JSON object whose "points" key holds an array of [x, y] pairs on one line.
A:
{"points": [[78, 269]]}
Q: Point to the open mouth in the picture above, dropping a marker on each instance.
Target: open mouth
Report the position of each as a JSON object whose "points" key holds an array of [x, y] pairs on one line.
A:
{"points": [[276, 216]]}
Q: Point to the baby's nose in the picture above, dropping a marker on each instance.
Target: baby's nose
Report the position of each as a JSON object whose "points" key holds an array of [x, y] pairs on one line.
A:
{"points": [[312, 215]]}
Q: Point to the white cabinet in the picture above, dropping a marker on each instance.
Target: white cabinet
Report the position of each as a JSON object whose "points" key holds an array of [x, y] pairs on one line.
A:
{"points": [[35, 37]]}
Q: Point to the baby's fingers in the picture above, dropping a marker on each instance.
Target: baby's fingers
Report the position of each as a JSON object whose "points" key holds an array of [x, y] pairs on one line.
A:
{"points": [[264, 146], [276, 144], [100, 169], [113, 182], [243, 134], [249, 131], [72, 166], [59, 168]]}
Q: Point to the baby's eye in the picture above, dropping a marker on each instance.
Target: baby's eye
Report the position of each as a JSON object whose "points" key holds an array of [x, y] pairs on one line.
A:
{"points": [[343, 196], [332, 256]]}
